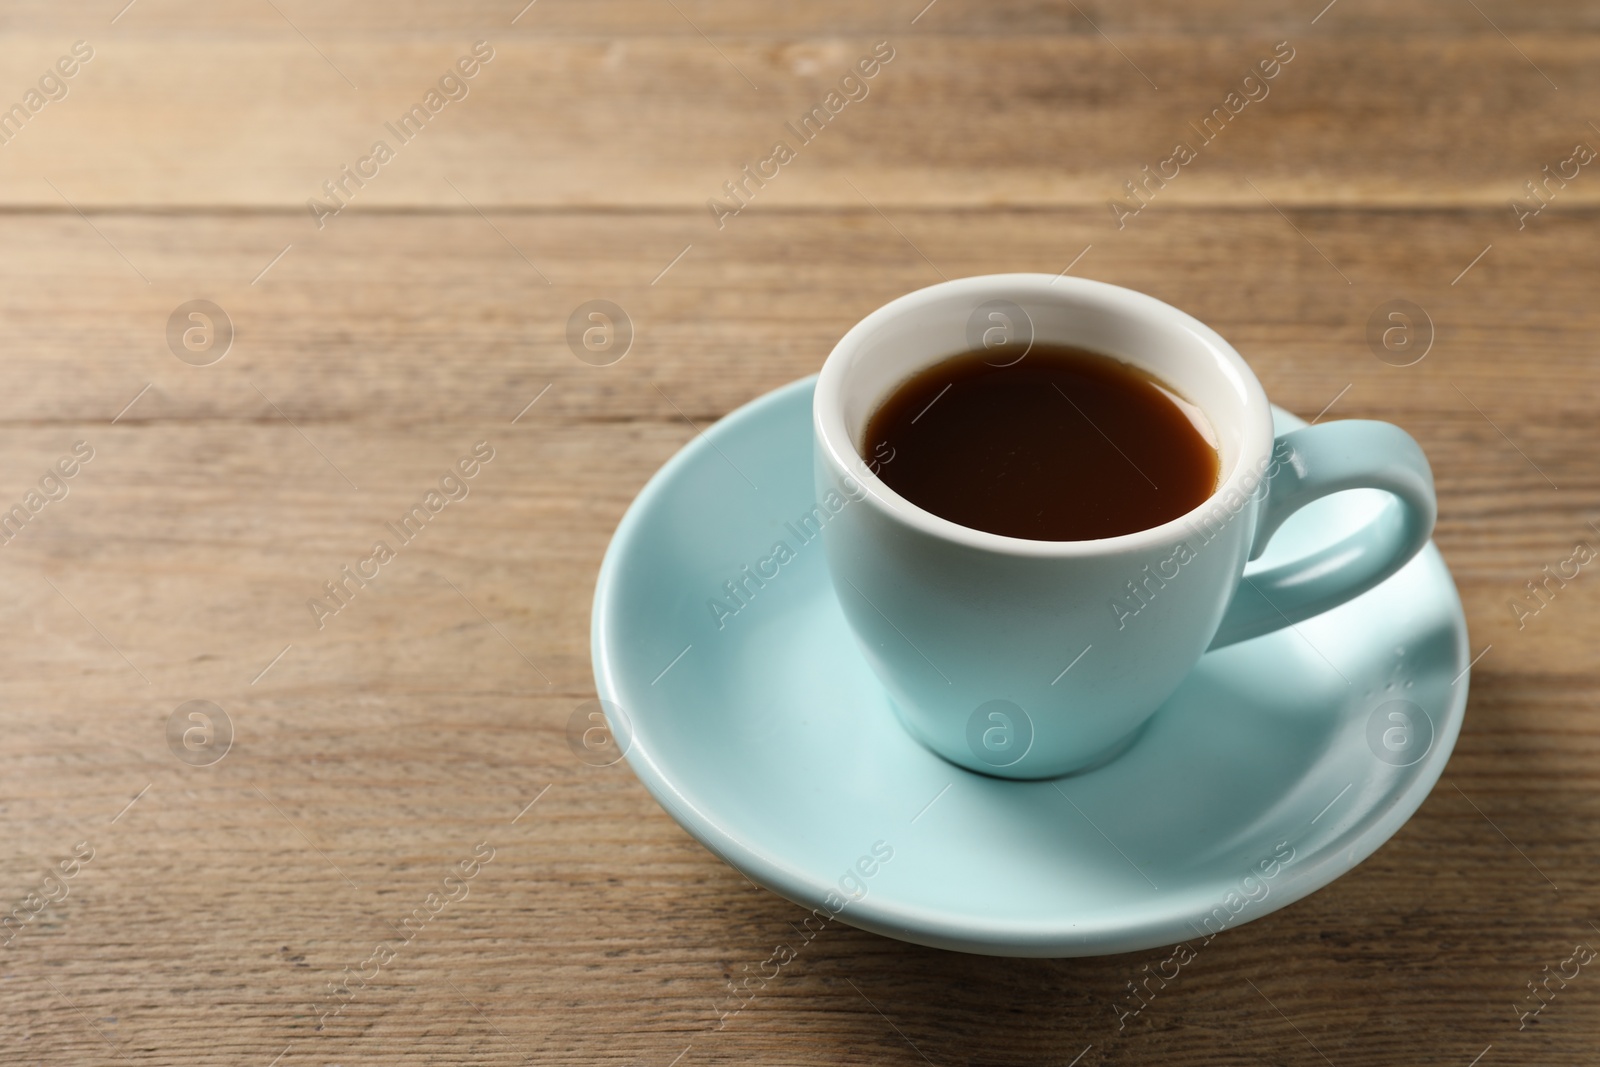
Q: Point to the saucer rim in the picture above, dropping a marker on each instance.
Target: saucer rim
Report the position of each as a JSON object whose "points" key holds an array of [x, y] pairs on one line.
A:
{"points": [[1158, 923]]}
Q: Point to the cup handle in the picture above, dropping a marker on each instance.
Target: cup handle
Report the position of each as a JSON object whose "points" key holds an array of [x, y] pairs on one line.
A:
{"points": [[1311, 463]]}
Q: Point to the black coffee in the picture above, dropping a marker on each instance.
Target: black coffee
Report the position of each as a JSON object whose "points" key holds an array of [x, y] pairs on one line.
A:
{"points": [[1062, 445]]}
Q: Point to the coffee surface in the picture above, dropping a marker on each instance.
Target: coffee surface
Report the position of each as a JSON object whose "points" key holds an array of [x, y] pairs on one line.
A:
{"points": [[1063, 444]]}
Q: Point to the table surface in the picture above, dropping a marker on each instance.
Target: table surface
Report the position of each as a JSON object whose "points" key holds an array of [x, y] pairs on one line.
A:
{"points": [[209, 902]]}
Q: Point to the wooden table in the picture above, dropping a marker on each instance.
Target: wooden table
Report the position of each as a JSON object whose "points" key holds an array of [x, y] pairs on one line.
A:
{"points": [[370, 753]]}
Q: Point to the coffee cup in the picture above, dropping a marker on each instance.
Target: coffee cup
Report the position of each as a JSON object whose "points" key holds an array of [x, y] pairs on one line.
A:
{"points": [[1033, 659]]}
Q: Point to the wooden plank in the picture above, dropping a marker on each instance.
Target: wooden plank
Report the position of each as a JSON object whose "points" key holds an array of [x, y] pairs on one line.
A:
{"points": [[262, 122], [729, 18], [732, 319]]}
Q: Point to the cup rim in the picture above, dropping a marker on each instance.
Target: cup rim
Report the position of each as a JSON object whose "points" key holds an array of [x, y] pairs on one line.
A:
{"points": [[834, 438]]}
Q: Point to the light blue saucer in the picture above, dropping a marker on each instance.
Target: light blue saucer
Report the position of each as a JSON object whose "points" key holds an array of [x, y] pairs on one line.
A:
{"points": [[1280, 764]]}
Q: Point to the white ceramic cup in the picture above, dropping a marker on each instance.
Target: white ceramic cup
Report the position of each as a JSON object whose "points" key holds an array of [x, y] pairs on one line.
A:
{"points": [[1031, 659]]}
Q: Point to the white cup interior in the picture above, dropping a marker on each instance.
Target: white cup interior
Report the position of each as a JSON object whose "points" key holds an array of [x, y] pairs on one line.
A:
{"points": [[930, 325]]}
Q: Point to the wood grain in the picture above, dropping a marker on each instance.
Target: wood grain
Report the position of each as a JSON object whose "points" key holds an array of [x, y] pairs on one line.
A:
{"points": [[373, 755]]}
